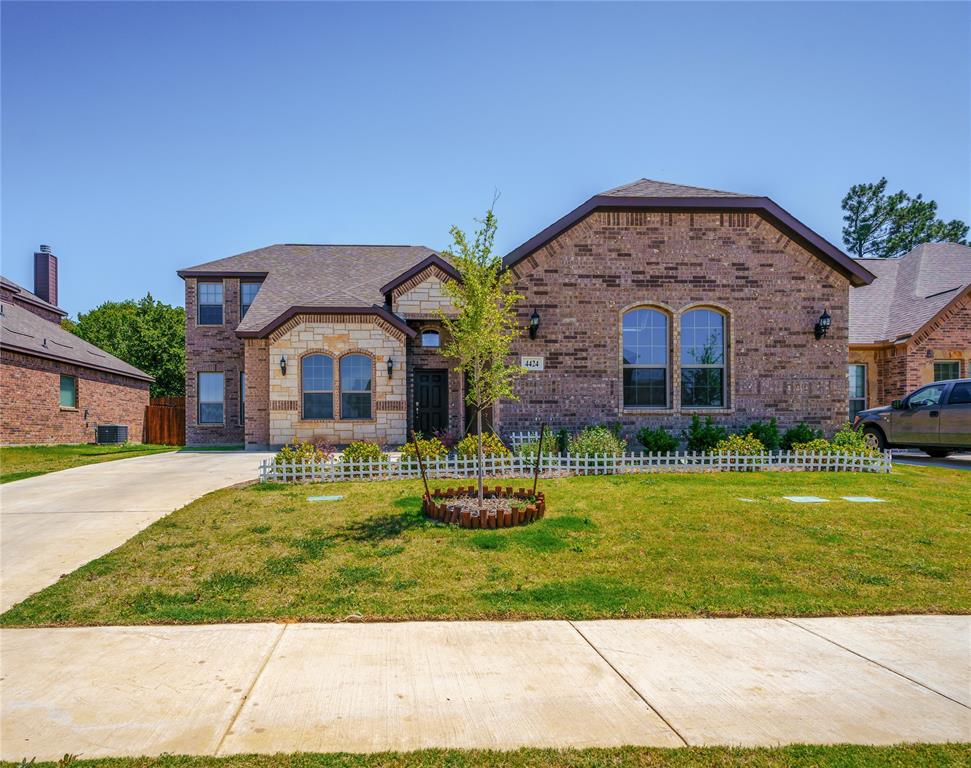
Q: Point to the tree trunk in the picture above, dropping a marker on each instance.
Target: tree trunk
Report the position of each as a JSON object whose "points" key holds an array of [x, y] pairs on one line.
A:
{"points": [[481, 472]]}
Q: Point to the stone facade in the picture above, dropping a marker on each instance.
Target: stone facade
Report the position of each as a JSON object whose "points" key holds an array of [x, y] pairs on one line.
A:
{"points": [[422, 297], [770, 289], [894, 370], [337, 336], [32, 413]]}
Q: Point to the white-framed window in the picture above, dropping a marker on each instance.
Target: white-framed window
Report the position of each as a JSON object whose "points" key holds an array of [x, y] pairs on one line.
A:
{"points": [[317, 385], [856, 373], [356, 387], [431, 339], [947, 369], [69, 391], [703, 345], [646, 351], [212, 392], [247, 292], [210, 298]]}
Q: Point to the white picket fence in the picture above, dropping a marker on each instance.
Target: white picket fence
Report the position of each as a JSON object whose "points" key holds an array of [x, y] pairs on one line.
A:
{"points": [[555, 465], [516, 439]]}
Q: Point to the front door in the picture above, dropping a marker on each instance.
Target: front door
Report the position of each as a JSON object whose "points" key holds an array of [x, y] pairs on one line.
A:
{"points": [[431, 401]]}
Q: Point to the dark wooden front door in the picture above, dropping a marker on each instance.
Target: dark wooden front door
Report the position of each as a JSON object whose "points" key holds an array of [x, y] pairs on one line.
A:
{"points": [[431, 401]]}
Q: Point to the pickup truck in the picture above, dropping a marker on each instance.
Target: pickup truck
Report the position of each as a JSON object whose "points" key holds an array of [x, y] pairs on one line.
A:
{"points": [[935, 418]]}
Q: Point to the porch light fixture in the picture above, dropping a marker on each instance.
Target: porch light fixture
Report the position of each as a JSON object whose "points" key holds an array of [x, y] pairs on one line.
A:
{"points": [[822, 325], [390, 366], [533, 324], [283, 364]]}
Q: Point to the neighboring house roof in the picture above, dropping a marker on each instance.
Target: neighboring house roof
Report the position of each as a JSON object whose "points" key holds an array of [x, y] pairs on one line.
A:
{"points": [[315, 278], [23, 331], [908, 292], [660, 195], [30, 298]]}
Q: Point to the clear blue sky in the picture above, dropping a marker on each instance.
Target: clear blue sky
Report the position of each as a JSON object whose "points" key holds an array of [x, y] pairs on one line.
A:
{"points": [[139, 138]]}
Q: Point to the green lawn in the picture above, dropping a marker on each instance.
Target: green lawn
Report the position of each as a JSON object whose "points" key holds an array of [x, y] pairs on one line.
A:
{"points": [[839, 756], [630, 546], [21, 461]]}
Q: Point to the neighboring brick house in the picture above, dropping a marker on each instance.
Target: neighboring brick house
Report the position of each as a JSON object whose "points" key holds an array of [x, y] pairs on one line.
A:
{"points": [[54, 386], [655, 301], [912, 326]]}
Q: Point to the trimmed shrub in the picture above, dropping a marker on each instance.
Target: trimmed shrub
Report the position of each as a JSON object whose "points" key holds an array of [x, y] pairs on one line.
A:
{"points": [[657, 440], [430, 447], [592, 441], [849, 440], [468, 446], [562, 441], [819, 445], [550, 446], [363, 450], [300, 452], [801, 433], [744, 444], [767, 433], [702, 437]]}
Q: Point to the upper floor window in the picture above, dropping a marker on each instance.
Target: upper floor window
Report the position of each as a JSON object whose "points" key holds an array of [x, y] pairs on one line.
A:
{"points": [[703, 359], [210, 298], [947, 369], [317, 383], [431, 339], [356, 387], [69, 391], [857, 376], [247, 292], [645, 348], [211, 398]]}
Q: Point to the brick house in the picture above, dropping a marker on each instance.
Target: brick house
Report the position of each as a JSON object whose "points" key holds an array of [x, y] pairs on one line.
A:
{"points": [[654, 301], [912, 326], [54, 386]]}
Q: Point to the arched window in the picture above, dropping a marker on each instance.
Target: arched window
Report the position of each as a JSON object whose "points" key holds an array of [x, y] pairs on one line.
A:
{"points": [[645, 345], [703, 359], [356, 387], [317, 384], [431, 339]]}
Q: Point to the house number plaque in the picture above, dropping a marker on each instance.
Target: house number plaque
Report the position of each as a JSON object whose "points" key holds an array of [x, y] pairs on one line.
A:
{"points": [[532, 363]]}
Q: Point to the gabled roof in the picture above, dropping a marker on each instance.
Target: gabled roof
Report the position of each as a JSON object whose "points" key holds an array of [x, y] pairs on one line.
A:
{"points": [[660, 195], [908, 292], [30, 298], [23, 331], [314, 278], [432, 261]]}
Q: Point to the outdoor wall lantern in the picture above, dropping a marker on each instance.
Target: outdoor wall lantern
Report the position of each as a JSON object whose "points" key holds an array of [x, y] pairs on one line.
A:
{"points": [[822, 325], [533, 324], [390, 366], [283, 365]]}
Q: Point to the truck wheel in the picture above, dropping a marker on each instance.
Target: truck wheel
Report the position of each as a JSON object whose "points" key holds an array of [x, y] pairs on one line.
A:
{"points": [[937, 453], [873, 438]]}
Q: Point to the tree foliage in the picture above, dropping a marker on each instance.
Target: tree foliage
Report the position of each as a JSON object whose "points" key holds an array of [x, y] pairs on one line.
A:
{"points": [[481, 333], [146, 333], [884, 226]]}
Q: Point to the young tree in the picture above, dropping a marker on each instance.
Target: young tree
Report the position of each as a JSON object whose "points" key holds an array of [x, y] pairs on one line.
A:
{"points": [[886, 226], [146, 333], [481, 333]]}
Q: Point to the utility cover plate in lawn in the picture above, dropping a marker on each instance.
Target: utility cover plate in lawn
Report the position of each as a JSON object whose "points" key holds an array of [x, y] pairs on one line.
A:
{"points": [[864, 499], [324, 498], [805, 499]]}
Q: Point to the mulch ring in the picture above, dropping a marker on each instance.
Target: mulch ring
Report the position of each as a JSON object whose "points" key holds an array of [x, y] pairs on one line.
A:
{"points": [[501, 507]]}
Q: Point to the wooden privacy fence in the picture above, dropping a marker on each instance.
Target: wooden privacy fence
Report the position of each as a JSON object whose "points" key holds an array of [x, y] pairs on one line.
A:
{"points": [[165, 421], [557, 465]]}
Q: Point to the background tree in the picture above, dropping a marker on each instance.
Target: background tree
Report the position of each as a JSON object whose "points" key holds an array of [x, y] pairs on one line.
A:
{"points": [[481, 333], [884, 226], [146, 333]]}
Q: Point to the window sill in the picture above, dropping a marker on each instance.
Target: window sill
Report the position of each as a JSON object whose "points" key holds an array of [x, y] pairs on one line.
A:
{"points": [[68, 409], [710, 411], [211, 424], [648, 411]]}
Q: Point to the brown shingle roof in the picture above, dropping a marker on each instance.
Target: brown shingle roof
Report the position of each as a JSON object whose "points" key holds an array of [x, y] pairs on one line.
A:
{"points": [[908, 291], [23, 331], [319, 276], [652, 188], [31, 298]]}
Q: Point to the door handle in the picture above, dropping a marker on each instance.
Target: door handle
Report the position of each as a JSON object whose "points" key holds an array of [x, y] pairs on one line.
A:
{"points": [[934, 414]]}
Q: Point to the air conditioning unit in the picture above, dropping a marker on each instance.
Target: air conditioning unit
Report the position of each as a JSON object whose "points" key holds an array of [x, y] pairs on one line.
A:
{"points": [[112, 433]]}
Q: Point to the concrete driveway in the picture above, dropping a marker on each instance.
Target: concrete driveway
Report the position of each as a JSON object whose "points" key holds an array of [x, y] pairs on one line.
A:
{"points": [[52, 524]]}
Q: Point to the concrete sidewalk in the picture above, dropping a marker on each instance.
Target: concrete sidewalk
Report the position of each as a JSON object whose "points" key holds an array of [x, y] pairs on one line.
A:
{"points": [[55, 523], [268, 688]]}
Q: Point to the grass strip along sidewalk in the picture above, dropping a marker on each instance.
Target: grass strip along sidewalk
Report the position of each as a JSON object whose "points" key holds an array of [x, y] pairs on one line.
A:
{"points": [[724, 544], [23, 461]]}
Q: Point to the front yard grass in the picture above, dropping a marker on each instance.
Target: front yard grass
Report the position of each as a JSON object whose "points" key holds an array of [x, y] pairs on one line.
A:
{"points": [[623, 546], [798, 756], [21, 461]]}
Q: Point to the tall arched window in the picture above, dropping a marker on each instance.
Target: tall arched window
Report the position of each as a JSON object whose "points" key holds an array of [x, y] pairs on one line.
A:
{"points": [[645, 345], [703, 359], [317, 385], [356, 387]]}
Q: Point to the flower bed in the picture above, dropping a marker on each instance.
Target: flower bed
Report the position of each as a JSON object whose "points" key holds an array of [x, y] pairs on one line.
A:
{"points": [[502, 508]]}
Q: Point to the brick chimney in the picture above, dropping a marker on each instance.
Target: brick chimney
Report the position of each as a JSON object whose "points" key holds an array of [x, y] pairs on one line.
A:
{"points": [[45, 275]]}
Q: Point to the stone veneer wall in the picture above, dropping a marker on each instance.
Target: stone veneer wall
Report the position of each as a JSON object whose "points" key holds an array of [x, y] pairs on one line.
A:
{"points": [[337, 335], [422, 297], [772, 289], [32, 414]]}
